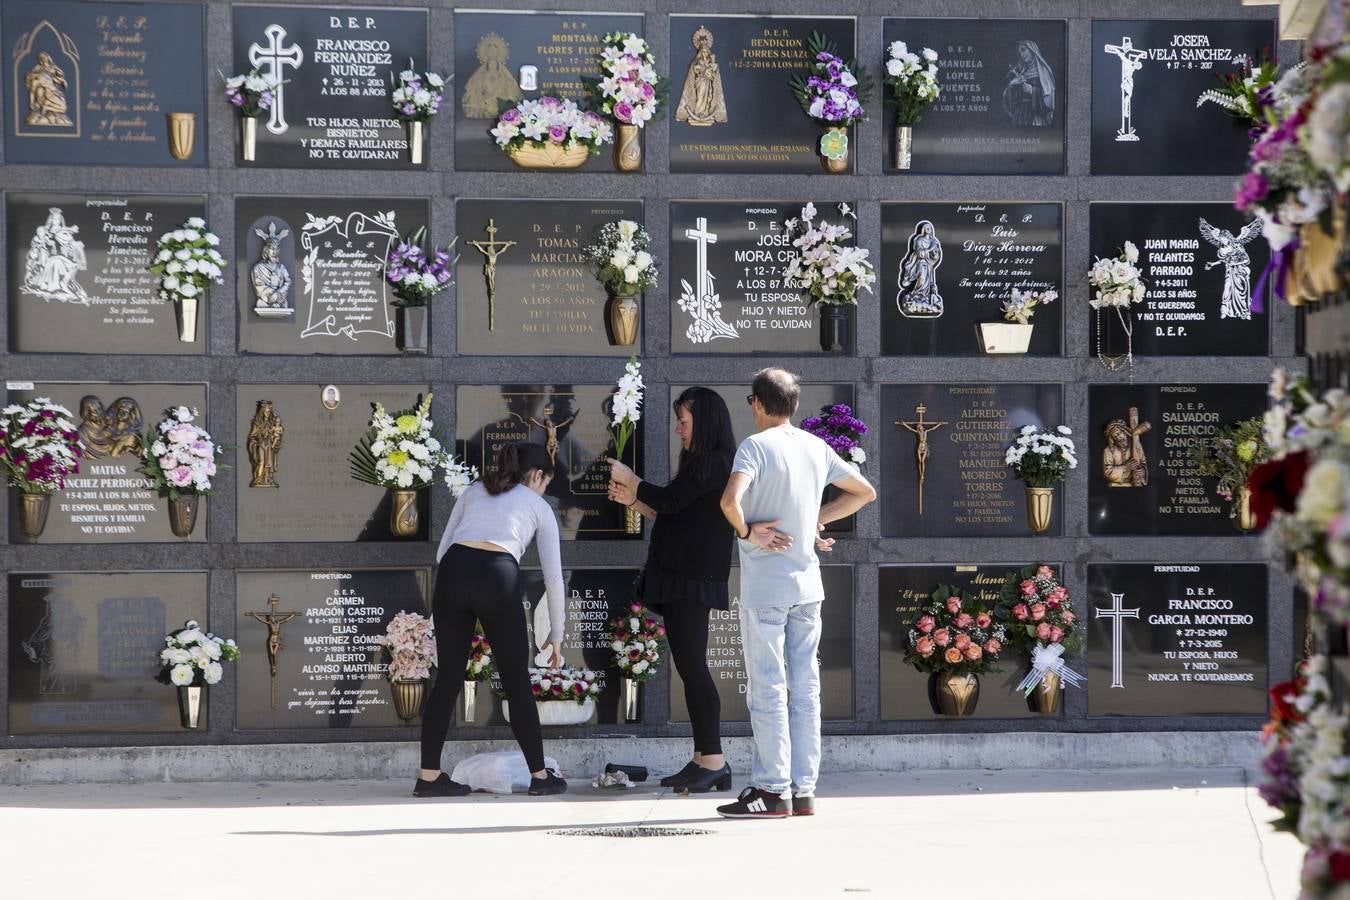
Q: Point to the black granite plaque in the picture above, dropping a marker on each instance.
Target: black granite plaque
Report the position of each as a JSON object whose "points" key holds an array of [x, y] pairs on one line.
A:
{"points": [[572, 420], [726, 661], [84, 649], [315, 497], [109, 502], [1141, 480], [1177, 640], [336, 62], [76, 273], [814, 398], [494, 55], [329, 671], [1002, 102], [95, 83], [765, 130], [1146, 78], [967, 490], [726, 278], [904, 689], [535, 296], [947, 267], [1200, 262], [332, 253]]}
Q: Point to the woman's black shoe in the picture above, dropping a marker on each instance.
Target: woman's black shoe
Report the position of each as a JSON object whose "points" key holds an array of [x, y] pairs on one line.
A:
{"points": [[680, 777], [705, 780], [441, 787], [549, 784]]}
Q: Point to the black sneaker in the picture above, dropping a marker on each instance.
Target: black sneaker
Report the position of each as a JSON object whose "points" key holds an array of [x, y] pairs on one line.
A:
{"points": [[680, 777], [549, 784], [804, 805], [441, 787], [756, 804]]}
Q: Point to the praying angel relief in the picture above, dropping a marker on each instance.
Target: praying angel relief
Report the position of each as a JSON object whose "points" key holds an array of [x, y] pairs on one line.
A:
{"points": [[343, 274], [706, 306]]}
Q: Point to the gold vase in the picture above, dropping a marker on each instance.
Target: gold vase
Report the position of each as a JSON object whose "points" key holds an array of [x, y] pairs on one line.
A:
{"points": [[623, 319], [1040, 507], [550, 156], [632, 520], [628, 148], [957, 695], [33, 509], [248, 137], [904, 147], [182, 134], [632, 693], [415, 128], [408, 693], [1047, 695], [183, 514], [403, 520], [1245, 518], [836, 164], [190, 705], [1314, 272]]}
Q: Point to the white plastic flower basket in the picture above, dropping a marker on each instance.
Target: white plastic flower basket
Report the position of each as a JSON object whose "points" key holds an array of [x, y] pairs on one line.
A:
{"points": [[559, 712]]}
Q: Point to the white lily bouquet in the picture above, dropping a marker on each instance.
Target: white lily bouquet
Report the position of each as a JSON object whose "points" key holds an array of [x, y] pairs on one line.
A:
{"points": [[192, 657], [627, 405], [1117, 285], [458, 476], [399, 451], [823, 265], [187, 261], [416, 96], [620, 259]]}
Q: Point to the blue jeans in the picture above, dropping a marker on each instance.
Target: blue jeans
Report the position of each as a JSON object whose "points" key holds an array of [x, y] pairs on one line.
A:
{"points": [[780, 644]]}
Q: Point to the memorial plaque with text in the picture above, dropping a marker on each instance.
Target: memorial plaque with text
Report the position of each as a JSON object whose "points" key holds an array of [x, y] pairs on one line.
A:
{"points": [[294, 481], [505, 56], [1146, 77], [904, 689], [814, 399], [1200, 262], [109, 502], [329, 672], [104, 83], [77, 278], [726, 660], [942, 449], [1002, 102], [1177, 640], [84, 649], [336, 64], [523, 286], [730, 104], [572, 422], [309, 272], [947, 267], [1140, 478], [726, 278]]}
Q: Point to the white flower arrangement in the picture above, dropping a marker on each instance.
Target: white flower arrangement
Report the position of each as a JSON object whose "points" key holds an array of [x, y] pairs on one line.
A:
{"points": [[639, 643], [416, 97], [550, 121], [626, 405], [577, 685], [458, 476], [620, 259], [1040, 457], [187, 261], [409, 645], [1021, 306], [182, 457], [823, 265], [912, 78], [39, 446], [630, 92], [252, 94], [399, 451], [1329, 134], [1117, 285], [192, 657]]}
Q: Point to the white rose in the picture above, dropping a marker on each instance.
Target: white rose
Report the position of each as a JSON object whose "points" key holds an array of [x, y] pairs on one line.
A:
{"points": [[1131, 252], [631, 274], [1322, 497], [213, 672], [181, 675], [1120, 271]]}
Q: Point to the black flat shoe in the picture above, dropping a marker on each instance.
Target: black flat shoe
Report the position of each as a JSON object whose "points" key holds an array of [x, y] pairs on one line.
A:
{"points": [[549, 784], [441, 787], [705, 780], [680, 777]]}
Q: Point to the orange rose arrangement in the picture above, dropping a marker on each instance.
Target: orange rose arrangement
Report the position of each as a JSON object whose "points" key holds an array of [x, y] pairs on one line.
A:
{"points": [[954, 634]]}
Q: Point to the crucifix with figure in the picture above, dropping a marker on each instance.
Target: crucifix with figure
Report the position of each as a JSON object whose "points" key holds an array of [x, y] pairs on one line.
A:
{"points": [[271, 61], [701, 237], [1131, 61], [491, 249], [1117, 615], [273, 620], [921, 430]]}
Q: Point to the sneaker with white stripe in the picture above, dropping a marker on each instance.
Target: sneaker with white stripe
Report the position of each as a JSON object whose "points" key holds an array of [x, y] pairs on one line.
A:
{"points": [[756, 804]]}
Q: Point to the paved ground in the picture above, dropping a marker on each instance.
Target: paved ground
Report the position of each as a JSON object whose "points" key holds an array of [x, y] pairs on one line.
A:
{"points": [[1156, 834]]}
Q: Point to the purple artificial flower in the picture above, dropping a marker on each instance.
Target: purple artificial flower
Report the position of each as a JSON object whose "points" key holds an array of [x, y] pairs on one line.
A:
{"points": [[557, 134], [623, 112], [511, 116]]}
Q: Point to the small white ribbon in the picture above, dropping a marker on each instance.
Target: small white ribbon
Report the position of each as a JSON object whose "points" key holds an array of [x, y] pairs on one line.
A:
{"points": [[1047, 659]]}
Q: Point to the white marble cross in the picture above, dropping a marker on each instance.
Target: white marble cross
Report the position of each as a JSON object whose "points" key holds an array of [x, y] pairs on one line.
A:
{"points": [[1118, 617], [272, 60], [703, 237]]}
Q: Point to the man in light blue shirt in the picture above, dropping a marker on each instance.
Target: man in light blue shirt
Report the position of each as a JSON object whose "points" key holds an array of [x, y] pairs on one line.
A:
{"points": [[773, 502]]}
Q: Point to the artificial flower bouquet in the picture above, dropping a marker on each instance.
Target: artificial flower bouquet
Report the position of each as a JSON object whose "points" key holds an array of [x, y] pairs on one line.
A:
{"points": [[409, 644], [630, 92], [639, 643], [838, 427], [1231, 454], [187, 261], [179, 457], [481, 663], [1116, 281], [830, 270], [1042, 458], [252, 94], [620, 258], [577, 685], [551, 122], [416, 96], [834, 90], [458, 476], [1041, 624], [399, 451], [1240, 93], [626, 405], [39, 446], [192, 657], [1021, 306], [953, 634], [416, 271]]}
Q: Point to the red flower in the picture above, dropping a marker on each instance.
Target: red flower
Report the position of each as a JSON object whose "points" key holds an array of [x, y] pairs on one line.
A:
{"points": [[983, 620], [1276, 484], [1340, 866], [1281, 700]]}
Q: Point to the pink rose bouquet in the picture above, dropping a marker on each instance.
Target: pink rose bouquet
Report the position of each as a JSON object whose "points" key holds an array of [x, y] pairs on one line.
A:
{"points": [[954, 634]]}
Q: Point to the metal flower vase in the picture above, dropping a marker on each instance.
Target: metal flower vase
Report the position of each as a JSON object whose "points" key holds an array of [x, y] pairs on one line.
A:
{"points": [[834, 150], [470, 701], [632, 700], [953, 695], [1040, 508], [185, 313], [1243, 517], [411, 329], [1048, 695], [190, 705], [403, 517], [833, 327], [33, 509], [623, 319], [248, 138], [416, 130], [408, 694], [183, 514], [627, 148], [904, 147]]}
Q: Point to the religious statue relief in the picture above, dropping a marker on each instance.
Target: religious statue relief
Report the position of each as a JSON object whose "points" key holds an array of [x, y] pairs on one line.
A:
{"points": [[551, 429], [52, 646], [1237, 267], [1123, 461], [109, 432], [491, 249], [701, 100], [264, 445], [918, 297], [271, 279], [55, 257], [273, 620], [1029, 95], [1131, 61], [47, 85], [921, 430], [492, 82]]}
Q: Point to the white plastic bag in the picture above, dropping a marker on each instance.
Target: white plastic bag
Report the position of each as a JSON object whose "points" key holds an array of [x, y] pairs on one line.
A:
{"points": [[498, 773]]}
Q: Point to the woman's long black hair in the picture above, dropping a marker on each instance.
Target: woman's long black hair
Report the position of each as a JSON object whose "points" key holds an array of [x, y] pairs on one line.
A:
{"points": [[714, 444], [514, 462]]}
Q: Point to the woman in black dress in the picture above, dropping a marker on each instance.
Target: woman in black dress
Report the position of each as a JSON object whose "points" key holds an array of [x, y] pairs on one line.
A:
{"points": [[688, 561]]}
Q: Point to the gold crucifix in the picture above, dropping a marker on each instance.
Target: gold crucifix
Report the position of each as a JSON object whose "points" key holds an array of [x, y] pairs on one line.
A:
{"points": [[551, 430], [491, 248], [273, 620], [921, 429]]}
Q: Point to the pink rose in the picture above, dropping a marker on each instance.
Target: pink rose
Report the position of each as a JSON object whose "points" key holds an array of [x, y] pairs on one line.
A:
{"points": [[1045, 572], [953, 605], [1043, 631], [1059, 594], [1052, 603], [924, 646], [962, 641], [1068, 617], [964, 620], [983, 620], [1037, 612], [1020, 612], [952, 656], [926, 624], [1056, 634], [973, 653], [1028, 588], [942, 637], [992, 646]]}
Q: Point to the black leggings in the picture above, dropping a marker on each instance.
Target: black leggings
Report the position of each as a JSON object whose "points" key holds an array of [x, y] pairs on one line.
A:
{"points": [[687, 631], [482, 585]]}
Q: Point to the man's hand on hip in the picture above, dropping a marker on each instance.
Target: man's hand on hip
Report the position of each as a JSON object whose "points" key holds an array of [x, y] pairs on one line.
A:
{"points": [[765, 536]]}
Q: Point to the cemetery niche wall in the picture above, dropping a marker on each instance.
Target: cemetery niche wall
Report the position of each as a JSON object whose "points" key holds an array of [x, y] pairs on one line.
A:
{"points": [[117, 130]]}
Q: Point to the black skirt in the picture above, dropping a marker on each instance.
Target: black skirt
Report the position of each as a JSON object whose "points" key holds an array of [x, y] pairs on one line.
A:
{"points": [[656, 588]]}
